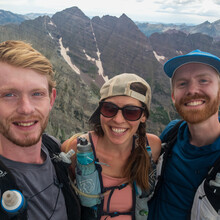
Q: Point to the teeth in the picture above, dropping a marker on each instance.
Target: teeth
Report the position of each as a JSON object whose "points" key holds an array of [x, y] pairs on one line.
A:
{"points": [[194, 103], [118, 130], [25, 124]]}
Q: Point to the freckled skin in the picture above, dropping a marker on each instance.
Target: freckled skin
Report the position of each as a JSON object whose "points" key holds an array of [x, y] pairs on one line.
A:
{"points": [[25, 105]]}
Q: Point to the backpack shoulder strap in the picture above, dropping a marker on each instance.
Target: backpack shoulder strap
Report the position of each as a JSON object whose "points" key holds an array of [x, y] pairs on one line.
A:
{"points": [[214, 170], [167, 147], [212, 193], [61, 168], [8, 182], [50, 144], [171, 137]]}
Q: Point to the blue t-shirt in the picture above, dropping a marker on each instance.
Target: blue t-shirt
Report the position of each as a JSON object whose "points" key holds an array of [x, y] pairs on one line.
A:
{"points": [[184, 172]]}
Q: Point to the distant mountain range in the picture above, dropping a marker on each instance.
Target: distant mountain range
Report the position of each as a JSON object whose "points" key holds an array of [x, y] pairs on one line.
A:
{"points": [[7, 17], [85, 52], [30, 16], [211, 29]]}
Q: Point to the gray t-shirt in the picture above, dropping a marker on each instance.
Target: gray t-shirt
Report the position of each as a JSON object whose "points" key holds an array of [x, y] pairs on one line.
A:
{"points": [[38, 183]]}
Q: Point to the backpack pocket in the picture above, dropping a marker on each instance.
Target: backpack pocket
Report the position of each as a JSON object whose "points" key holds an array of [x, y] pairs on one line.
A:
{"points": [[202, 208], [89, 189]]}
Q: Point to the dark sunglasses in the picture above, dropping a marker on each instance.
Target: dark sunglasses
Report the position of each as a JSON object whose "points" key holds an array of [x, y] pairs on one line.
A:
{"points": [[129, 112]]}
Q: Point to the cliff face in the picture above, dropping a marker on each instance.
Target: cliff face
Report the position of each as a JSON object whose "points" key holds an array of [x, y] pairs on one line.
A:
{"points": [[85, 52], [123, 47], [116, 42]]}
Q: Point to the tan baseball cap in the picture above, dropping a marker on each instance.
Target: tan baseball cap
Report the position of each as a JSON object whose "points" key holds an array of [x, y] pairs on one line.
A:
{"points": [[121, 85]]}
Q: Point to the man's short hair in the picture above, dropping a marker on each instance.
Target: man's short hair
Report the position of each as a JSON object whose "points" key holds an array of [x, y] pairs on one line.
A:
{"points": [[21, 54]]}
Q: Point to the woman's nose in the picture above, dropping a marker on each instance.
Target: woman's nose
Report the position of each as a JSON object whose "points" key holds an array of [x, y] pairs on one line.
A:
{"points": [[119, 118]]}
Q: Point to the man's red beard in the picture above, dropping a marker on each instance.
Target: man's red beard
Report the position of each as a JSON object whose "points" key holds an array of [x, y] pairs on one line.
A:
{"points": [[194, 116]]}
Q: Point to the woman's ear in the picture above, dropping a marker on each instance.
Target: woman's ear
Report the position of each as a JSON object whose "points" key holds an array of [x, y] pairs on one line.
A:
{"points": [[143, 118]]}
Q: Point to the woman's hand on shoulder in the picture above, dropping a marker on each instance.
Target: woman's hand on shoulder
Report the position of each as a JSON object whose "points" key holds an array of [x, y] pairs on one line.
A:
{"points": [[71, 143], [155, 144]]}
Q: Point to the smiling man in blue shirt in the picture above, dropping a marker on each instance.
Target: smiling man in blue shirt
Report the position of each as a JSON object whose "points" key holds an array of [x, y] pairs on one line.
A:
{"points": [[196, 96]]}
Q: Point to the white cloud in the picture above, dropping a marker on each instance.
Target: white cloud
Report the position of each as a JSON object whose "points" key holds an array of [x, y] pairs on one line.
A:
{"points": [[216, 2], [12, 3], [199, 8], [144, 10]]}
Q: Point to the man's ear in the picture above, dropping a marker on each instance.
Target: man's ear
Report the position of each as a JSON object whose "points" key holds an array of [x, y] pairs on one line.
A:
{"points": [[173, 97], [52, 97]]}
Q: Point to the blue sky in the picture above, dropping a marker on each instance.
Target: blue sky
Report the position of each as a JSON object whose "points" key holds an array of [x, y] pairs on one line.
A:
{"points": [[166, 11]]}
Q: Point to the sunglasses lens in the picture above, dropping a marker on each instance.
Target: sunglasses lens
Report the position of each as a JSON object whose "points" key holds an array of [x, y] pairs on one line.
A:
{"points": [[132, 113], [108, 109]]}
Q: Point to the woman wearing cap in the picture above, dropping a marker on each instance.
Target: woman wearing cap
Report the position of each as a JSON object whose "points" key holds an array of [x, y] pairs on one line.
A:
{"points": [[122, 151]]}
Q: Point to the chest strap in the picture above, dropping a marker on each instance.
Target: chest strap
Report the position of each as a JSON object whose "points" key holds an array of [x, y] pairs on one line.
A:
{"points": [[100, 211], [115, 214]]}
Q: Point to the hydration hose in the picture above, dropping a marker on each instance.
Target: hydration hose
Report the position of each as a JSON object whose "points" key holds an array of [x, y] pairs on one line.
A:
{"points": [[88, 195]]}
